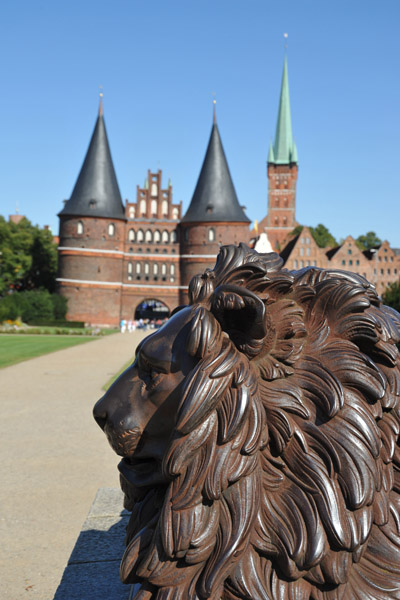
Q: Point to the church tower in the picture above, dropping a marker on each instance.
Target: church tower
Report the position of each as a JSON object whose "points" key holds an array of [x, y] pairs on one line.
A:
{"points": [[92, 227], [282, 169], [214, 217]]}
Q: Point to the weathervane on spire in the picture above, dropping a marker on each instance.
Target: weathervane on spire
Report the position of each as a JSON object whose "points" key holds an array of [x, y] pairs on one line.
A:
{"points": [[101, 100], [214, 109], [286, 35]]}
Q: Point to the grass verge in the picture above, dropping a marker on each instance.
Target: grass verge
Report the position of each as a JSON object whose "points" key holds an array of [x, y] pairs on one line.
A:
{"points": [[114, 377], [17, 348], [51, 330]]}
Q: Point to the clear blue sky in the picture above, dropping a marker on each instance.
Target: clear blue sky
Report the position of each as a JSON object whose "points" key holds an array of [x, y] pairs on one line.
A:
{"points": [[159, 63]]}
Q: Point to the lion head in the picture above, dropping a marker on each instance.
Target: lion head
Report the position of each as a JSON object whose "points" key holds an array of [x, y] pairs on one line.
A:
{"points": [[258, 431]]}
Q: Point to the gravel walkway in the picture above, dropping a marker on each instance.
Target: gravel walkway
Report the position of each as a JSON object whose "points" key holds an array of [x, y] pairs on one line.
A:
{"points": [[53, 459]]}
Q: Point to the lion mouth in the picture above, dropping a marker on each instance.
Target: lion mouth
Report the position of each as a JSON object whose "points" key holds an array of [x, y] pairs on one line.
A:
{"points": [[125, 442]]}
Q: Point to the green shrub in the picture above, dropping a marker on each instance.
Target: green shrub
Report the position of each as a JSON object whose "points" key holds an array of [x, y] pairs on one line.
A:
{"points": [[391, 296], [13, 306], [33, 305], [59, 307], [58, 323], [40, 306]]}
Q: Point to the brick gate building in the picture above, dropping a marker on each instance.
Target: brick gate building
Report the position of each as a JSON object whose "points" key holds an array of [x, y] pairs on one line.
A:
{"points": [[113, 257]]}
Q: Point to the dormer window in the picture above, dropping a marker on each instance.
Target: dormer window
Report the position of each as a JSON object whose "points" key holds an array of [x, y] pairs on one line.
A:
{"points": [[92, 204], [111, 229], [79, 228], [210, 208]]}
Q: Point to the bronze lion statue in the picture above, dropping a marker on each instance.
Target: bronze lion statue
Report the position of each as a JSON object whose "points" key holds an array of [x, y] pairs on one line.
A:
{"points": [[259, 432]]}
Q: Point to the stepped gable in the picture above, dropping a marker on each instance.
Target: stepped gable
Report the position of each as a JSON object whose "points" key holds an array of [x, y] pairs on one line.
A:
{"points": [[214, 198], [96, 192]]}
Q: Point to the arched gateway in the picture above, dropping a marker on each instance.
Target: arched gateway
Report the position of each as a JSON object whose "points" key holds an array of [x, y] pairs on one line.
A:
{"points": [[152, 309]]}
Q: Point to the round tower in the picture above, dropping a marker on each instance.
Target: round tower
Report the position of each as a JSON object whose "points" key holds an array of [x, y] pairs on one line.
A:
{"points": [[92, 229], [214, 217]]}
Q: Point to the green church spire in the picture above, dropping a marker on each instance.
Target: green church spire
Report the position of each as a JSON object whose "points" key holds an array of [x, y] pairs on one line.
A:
{"points": [[271, 153], [284, 151]]}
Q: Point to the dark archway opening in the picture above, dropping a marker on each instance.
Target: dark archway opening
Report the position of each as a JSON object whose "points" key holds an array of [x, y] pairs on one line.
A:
{"points": [[152, 310]]}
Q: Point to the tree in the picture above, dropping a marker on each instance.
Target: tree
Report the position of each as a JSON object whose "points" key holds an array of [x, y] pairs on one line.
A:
{"points": [[297, 230], [43, 271], [28, 256], [320, 233], [391, 295], [15, 257], [368, 241], [322, 236]]}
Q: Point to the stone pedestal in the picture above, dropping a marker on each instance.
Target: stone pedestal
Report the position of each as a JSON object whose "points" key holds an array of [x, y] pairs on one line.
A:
{"points": [[92, 571]]}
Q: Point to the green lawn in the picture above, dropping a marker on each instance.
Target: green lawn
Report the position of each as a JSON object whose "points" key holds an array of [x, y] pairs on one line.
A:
{"points": [[16, 348]]}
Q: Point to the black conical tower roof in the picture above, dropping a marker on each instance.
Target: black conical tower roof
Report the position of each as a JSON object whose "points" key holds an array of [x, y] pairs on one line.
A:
{"points": [[96, 192], [214, 198]]}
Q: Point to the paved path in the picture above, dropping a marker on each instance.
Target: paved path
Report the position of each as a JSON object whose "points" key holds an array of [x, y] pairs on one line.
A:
{"points": [[53, 459]]}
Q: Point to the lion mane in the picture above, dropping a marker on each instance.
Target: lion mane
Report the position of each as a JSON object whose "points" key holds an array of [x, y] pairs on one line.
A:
{"points": [[283, 467]]}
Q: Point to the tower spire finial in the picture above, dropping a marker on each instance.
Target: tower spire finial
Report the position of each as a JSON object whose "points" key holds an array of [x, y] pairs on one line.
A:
{"points": [[101, 101], [214, 109], [285, 36]]}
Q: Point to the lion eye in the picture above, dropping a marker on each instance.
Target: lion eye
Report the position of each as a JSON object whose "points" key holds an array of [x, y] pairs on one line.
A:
{"points": [[147, 367]]}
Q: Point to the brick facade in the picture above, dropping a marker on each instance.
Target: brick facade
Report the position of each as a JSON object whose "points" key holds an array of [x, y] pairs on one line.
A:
{"points": [[281, 216], [107, 267], [380, 266]]}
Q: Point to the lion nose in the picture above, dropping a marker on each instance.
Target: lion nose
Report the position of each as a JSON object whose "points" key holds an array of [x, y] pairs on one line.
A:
{"points": [[100, 413]]}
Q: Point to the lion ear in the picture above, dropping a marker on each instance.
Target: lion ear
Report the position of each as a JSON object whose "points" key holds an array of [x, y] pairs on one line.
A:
{"points": [[241, 315]]}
